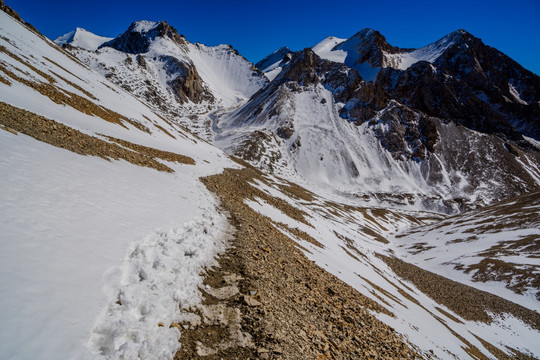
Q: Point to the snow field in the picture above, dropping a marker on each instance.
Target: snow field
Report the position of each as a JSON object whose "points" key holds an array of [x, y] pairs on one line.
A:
{"points": [[79, 233]]}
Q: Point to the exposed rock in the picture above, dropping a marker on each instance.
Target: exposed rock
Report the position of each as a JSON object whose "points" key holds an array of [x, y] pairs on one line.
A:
{"points": [[187, 85]]}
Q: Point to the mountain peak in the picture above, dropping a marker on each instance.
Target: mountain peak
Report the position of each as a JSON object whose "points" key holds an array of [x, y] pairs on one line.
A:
{"points": [[368, 37], [140, 34], [274, 60], [143, 26], [367, 32], [82, 38]]}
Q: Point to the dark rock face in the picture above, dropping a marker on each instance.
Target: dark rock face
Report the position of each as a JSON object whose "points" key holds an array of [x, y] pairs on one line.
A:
{"points": [[137, 42], [368, 46], [470, 83], [188, 84], [306, 68], [408, 135]]}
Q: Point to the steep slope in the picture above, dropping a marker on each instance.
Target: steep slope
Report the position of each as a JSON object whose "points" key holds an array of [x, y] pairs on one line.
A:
{"points": [[82, 38], [396, 138], [181, 80], [105, 225]]}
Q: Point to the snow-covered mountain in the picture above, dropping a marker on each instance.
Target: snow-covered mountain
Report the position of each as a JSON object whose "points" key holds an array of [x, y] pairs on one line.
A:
{"points": [[396, 137], [125, 236], [82, 38], [175, 77]]}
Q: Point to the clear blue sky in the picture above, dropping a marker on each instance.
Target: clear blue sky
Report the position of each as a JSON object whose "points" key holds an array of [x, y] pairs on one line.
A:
{"points": [[256, 28]]}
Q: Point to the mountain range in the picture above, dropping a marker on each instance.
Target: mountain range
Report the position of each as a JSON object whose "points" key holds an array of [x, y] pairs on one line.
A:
{"points": [[167, 199]]}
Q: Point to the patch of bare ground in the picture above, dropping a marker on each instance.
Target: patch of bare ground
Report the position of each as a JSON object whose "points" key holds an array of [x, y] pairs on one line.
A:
{"points": [[280, 304], [517, 277], [466, 301], [57, 134], [154, 153]]}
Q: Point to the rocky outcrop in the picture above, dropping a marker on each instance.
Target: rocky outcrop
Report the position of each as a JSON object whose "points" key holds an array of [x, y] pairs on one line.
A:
{"points": [[368, 46], [187, 85], [8, 10], [469, 83], [406, 134]]}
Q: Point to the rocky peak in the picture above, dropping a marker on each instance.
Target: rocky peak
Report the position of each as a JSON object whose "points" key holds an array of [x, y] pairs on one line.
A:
{"points": [[369, 46], [281, 55], [141, 34], [369, 37], [302, 68]]}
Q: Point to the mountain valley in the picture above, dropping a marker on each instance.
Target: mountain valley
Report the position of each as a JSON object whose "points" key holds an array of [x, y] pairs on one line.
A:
{"points": [[164, 199]]}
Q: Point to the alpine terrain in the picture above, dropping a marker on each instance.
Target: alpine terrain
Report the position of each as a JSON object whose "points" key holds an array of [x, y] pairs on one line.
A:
{"points": [[164, 199]]}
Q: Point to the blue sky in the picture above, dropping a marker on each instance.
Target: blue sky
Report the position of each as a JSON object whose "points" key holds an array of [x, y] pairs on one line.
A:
{"points": [[256, 28]]}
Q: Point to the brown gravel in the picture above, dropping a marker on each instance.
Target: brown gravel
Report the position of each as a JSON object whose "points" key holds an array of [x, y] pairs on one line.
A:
{"points": [[466, 301], [54, 133], [287, 306]]}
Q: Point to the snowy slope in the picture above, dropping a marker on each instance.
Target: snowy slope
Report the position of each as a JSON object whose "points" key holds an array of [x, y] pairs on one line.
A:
{"points": [[94, 252], [305, 140], [428, 53], [345, 240], [230, 77], [494, 249], [83, 39], [325, 49]]}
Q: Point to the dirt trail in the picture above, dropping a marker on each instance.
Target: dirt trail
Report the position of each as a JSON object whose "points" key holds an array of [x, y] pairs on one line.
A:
{"points": [[268, 301]]}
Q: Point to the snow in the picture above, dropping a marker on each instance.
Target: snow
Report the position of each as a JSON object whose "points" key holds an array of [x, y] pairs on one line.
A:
{"points": [[80, 233], [83, 39], [325, 49], [144, 26], [229, 76], [272, 74], [68, 222], [428, 53]]}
